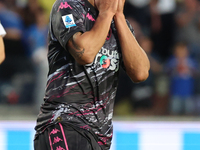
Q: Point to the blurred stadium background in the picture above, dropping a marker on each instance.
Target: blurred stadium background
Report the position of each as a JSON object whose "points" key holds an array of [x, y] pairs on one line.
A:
{"points": [[160, 113]]}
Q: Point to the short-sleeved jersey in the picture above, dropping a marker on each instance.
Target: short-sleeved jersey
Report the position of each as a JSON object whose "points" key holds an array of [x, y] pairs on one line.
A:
{"points": [[2, 31], [82, 96]]}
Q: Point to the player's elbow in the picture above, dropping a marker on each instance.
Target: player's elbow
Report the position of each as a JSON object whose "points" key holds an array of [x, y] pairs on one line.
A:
{"points": [[89, 61], [2, 57], [86, 60], [140, 76]]}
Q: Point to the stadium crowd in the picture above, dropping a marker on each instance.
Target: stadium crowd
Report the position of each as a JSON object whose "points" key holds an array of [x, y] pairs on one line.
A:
{"points": [[168, 30]]}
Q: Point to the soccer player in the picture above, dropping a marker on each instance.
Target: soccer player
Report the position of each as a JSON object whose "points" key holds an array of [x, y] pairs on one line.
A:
{"points": [[88, 42], [2, 48]]}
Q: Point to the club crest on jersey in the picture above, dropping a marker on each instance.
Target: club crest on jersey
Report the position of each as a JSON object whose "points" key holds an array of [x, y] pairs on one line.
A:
{"points": [[68, 21]]}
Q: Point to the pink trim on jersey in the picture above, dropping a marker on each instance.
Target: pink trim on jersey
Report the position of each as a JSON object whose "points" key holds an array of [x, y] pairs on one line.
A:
{"points": [[50, 142], [61, 127], [58, 76]]}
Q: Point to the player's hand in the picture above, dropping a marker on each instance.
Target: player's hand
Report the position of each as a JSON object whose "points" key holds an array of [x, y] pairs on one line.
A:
{"points": [[120, 7], [107, 6]]}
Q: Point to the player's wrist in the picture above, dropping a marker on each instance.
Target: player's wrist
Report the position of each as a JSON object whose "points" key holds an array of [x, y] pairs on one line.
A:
{"points": [[119, 15], [107, 14]]}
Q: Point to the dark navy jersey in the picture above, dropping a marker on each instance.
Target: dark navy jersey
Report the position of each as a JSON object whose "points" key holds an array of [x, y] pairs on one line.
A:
{"points": [[75, 94]]}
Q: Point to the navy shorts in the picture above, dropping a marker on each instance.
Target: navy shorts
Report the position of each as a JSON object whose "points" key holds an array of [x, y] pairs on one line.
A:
{"points": [[64, 137]]}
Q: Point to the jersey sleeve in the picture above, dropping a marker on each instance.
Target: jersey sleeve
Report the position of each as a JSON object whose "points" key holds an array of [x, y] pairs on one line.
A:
{"points": [[66, 20], [2, 31]]}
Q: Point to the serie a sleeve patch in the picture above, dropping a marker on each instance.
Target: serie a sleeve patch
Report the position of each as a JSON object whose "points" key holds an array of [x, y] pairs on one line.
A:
{"points": [[68, 21]]}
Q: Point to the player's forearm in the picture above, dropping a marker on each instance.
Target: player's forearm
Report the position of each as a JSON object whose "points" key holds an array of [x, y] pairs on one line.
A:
{"points": [[2, 51], [135, 59], [91, 41]]}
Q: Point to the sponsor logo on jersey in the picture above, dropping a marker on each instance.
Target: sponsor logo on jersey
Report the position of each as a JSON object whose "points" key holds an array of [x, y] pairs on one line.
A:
{"points": [[68, 21], [107, 59]]}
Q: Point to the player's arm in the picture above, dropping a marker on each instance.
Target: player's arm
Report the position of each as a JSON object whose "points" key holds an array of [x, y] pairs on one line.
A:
{"points": [[84, 46], [135, 59], [2, 50]]}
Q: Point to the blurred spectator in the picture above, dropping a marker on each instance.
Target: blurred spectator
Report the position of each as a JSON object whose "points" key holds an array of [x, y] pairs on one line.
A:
{"points": [[36, 41], [36, 34], [139, 11], [162, 26], [188, 30], [188, 22], [2, 48], [12, 23], [16, 70], [156, 19], [181, 69], [28, 14], [23, 73]]}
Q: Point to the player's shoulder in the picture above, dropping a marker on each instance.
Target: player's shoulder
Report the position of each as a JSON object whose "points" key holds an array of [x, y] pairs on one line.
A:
{"points": [[70, 4]]}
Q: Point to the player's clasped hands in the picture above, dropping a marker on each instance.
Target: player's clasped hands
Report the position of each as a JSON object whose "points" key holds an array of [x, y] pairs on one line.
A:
{"points": [[110, 6]]}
